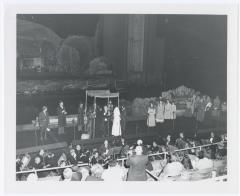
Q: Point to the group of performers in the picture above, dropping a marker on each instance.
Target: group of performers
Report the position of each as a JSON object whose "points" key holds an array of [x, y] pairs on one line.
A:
{"points": [[197, 106], [91, 120], [164, 111]]}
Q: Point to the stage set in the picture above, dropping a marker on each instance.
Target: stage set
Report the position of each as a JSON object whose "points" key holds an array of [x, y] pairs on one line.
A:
{"points": [[93, 100]]}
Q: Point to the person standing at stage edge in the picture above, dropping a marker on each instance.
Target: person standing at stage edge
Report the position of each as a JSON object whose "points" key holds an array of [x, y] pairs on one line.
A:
{"points": [[81, 112], [43, 123], [160, 113], [61, 112], [151, 120], [116, 127], [123, 120], [168, 115]]}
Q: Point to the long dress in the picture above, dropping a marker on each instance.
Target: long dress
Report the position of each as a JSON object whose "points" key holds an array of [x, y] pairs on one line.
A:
{"points": [[151, 121], [216, 107], [168, 111], [80, 118], [160, 113], [116, 127], [174, 110], [200, 115]]}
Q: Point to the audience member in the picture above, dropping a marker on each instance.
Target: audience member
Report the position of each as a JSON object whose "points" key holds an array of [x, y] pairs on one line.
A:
{"points": [[96, 173], [203, 162], [173, 167], [114, 172], [138, 164], [67, 174]]}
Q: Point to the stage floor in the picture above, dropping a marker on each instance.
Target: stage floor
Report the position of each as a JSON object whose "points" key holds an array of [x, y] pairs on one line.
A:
{"points": [[137, 128]]}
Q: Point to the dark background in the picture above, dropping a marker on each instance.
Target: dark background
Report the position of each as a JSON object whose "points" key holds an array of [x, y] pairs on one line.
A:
{"points": [[188, 50]]}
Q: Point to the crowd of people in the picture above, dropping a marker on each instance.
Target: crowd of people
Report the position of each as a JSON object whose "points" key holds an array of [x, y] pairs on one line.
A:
{"points": [[131, 161], [198, 106], [108, 120]]}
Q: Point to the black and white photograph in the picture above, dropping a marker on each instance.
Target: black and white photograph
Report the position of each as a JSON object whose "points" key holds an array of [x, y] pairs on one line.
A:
{"points": [[121, 97], [117, 97]]}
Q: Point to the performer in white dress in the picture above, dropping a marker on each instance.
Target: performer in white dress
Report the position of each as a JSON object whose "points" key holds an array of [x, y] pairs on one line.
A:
{"points": [[168, 111], [116, 127], [160, 112], [174, 110]]}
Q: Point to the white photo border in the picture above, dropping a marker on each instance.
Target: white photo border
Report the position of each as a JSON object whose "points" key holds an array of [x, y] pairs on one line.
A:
{"points": [[13, 186]]}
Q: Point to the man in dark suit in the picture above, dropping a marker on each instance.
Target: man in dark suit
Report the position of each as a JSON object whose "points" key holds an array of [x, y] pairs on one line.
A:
{"points": [[61, 112], [213, 139], [138, 164], [43, 122]]}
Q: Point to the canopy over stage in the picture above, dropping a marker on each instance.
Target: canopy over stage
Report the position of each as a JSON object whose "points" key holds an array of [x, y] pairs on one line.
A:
{"points": [[106, 94]]}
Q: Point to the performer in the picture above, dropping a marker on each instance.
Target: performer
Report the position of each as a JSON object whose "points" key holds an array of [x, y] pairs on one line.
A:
{"points": [[168, 110], [116, 127], [105, 125], [174, 110], [43, 123], [81, 113], [110, 112], [173, 117], [200, 112], [123, 120], [90, 121], [151, 122], [216, 107], [61, 112], [160, 112], [193, 103]]}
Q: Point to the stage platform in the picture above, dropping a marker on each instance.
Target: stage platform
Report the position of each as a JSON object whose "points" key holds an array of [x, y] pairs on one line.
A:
{"points": [[147, 137]]}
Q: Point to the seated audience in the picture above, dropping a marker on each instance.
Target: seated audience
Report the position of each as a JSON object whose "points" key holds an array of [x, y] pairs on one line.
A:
{"points": [[42, 156], [96, 173], [173, 167], [104, 149], [95, 158], [213, 139], [186, 161], [62, 161], [78, 151], [137, 162], [32, 177], [67, 174], [77, 175], [154, 147], [50, 160], [85, 172], [180, 142], [203, 162], [72, 158], [114, 172], [37, 163]]}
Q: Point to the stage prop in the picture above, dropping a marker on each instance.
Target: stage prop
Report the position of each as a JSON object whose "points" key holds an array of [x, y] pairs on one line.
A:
{"points": [[103, 94]]}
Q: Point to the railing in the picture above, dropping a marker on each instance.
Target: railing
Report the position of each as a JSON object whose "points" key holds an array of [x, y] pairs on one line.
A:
{"points": [[50, 168], [179, 150], [121, 159]]}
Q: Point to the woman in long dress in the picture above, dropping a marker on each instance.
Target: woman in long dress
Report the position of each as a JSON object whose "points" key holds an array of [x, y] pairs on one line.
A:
{"points": [[116, 127], [168, 115], [151, 121], [160, 112]]}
